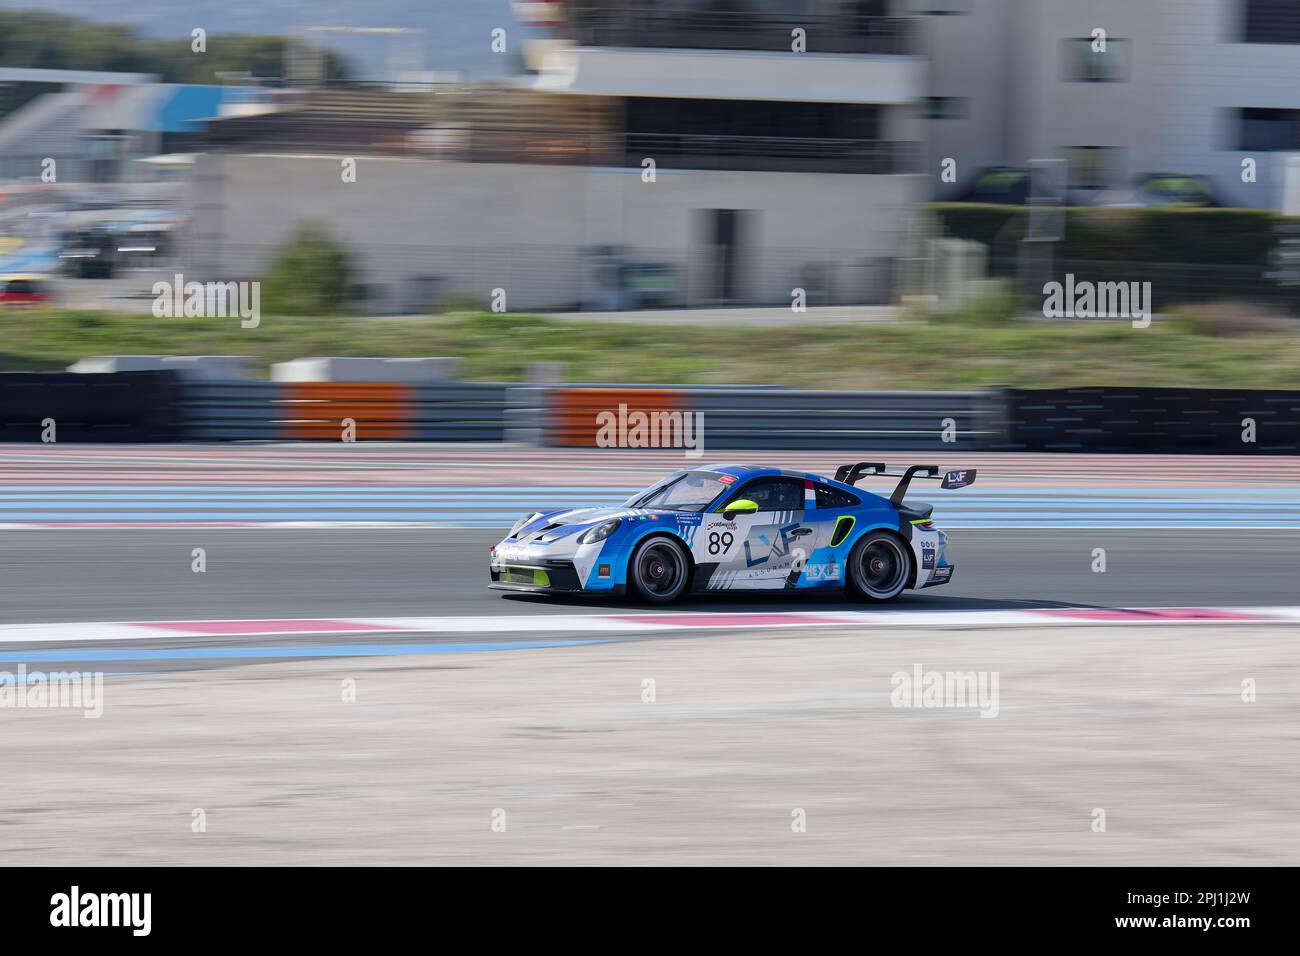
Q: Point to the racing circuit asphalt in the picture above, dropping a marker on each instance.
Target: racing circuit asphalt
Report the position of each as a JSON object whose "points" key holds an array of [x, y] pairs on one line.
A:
{"points": [[70, 575], [1145, 721]]}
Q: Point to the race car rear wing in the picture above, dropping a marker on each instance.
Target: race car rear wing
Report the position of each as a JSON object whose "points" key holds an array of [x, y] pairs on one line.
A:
{"points": [[849, 474]]}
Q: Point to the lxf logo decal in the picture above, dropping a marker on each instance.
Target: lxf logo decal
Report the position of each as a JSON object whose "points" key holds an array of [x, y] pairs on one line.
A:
{"points": [[776, 549], [927, 555]]}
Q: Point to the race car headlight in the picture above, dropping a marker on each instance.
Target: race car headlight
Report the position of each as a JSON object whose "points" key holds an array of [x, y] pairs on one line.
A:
{"points": [[521, 522], [600, 532]]}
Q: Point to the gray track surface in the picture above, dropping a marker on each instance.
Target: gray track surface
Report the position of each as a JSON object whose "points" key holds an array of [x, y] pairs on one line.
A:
{"points": [[67, 575], [1144, 723]]}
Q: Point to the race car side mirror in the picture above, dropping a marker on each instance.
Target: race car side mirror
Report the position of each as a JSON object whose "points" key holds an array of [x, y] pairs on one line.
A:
{"points": [[739, 506]]}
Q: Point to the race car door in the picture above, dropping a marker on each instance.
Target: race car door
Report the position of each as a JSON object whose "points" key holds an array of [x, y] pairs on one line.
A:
{"points": [[762, 550]]}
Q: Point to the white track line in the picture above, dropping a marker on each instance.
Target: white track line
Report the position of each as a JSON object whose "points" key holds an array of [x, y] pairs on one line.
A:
{"points": [[631, 621]]}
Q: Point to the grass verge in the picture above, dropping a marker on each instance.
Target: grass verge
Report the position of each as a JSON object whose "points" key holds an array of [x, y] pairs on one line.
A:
{"points": [[980, 347]]}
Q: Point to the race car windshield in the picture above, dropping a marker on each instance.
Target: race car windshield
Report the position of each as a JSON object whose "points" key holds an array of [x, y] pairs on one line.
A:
{"points": [[688, 491]]}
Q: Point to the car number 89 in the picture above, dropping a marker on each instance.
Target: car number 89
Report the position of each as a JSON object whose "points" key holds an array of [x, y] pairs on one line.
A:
{"points": [[720, 543]]}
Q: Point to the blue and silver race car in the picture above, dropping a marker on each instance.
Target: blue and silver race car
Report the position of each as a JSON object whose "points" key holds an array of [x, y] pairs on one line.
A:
{"points": [[736, 528]]}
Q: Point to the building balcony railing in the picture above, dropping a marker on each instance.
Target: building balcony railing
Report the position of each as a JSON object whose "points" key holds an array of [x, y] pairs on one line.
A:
{"points": [[774, 153], [620, 26], [682, 151], [293, 133]]}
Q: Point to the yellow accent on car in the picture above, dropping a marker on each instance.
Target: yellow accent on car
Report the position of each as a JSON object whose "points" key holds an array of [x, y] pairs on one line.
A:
{"points": [[528, 576], [836, 537]]}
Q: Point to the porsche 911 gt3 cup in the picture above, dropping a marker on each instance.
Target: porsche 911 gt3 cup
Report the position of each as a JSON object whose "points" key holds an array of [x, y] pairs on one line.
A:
{"points": [[736, 528]]}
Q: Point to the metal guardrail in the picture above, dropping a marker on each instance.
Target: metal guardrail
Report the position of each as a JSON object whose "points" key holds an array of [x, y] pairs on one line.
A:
{"points": [[1117, 420], [160, 406], [733, 417], [460, 412], [779, 418], [71, 407], [277, 411], [747, 418], [229, 411]]}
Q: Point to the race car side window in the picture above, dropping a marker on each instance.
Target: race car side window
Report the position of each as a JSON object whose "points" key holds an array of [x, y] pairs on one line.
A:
{"points": [[828, 497], [772, 494]]}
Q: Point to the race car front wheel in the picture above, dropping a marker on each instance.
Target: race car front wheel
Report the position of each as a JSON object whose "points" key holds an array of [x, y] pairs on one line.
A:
{"points": [[879, 567], [658, 571]]}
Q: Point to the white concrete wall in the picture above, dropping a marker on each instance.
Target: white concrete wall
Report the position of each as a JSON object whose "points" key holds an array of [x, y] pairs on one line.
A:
{"points": [[522, 228], [1060, 113], [969, 58], [1188, 74], [1202, 75]]}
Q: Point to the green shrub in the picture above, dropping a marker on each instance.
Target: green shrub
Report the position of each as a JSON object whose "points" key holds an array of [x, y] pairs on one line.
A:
{"points": [[311, 275], [1187, 254], [1151, 234]]}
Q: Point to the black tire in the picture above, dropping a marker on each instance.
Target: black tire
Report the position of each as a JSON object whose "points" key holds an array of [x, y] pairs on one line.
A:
{"points": [[879, 567], [658, 570]]}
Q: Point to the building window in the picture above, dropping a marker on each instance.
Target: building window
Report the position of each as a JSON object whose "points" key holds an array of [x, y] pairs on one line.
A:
{"points": [[1091, 167], [1268, 129], [1271, 21], [1084, 64], [943, 107]]}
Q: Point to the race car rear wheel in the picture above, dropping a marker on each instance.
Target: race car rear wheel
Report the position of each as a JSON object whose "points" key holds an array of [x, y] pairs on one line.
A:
{"points": [[658, 570], [880, 566]]}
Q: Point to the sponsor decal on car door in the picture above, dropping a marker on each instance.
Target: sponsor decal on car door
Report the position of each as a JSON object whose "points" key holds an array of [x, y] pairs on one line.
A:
{"points": [[762, 549], [782, 547], [755, 550]]}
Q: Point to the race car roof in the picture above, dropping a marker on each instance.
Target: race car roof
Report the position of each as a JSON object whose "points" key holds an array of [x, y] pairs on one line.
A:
{"points": [[745, 472]]}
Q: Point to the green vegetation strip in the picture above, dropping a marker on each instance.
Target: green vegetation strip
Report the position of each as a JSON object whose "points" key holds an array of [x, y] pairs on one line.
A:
{"points": [[981, 347]]}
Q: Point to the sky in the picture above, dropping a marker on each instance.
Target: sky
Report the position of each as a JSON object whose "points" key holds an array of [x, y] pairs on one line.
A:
{"points": [[457, 32]]}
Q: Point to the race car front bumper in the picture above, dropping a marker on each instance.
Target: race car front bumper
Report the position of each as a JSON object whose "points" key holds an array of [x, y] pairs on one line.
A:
{"points": [[544, 576]]}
